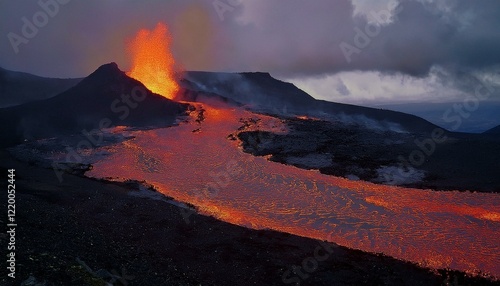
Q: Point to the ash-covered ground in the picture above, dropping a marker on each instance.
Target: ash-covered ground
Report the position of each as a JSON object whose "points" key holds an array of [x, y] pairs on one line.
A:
{"points": [[443, 161]]}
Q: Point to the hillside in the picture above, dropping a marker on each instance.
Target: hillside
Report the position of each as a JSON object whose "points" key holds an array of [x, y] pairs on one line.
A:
{"points": [[18, 87], [494, 130], [262, 92], [107, 97]]}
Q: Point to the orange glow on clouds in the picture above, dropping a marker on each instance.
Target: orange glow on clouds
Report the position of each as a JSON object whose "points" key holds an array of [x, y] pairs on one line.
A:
{"points": [[152, 61]]}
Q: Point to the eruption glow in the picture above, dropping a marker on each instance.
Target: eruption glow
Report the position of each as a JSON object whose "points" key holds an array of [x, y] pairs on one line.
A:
{"points": [[152, 61]]}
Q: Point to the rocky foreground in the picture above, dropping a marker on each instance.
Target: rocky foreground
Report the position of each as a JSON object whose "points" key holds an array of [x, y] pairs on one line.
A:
{"points": [[87, 232]]}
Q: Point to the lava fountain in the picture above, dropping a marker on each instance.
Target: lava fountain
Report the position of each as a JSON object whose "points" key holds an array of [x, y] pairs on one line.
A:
{"points": [[152, 60]]}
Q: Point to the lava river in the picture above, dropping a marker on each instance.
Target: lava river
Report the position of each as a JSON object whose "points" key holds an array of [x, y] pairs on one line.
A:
{"points": [[198, 164]]}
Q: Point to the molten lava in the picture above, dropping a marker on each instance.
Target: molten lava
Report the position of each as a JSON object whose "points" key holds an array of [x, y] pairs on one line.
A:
{"points": [[451, 229], [303, 117], [152, 61]]}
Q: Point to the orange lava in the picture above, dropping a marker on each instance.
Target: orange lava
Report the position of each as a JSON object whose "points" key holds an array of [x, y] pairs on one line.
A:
{"points": [[152, 61], [303, 117], [457, 230]]}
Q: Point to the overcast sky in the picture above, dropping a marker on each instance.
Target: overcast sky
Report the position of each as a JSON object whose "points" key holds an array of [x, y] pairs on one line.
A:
{"points": [[356, 51]]}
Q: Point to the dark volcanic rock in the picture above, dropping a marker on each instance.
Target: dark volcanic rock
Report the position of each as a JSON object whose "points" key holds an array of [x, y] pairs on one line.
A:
{"points": [[461, 162], [494, 130]]}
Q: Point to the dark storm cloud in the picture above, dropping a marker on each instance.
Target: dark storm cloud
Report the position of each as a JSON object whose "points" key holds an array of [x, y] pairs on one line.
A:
{"points": [[464, 35], [288, 38]]}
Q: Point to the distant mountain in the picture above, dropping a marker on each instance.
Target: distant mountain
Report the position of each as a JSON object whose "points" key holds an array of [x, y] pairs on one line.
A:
{"points": [[494, 130], [485, 117], [263, 92], [255, 89], [19, 87], [107, 97]]}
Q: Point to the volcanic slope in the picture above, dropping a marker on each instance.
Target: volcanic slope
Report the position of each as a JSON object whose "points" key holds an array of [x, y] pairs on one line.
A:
{"points": [[494, 130], [18, 87], [262, 92], [106, 98]]}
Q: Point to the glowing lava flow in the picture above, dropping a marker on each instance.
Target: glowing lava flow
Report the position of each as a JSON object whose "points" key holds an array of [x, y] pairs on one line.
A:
{"points": [[152, 61], [437, 229]]}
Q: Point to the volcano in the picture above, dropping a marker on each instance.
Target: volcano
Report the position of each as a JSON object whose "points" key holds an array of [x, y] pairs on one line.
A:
{"points": [[105, 98]]}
